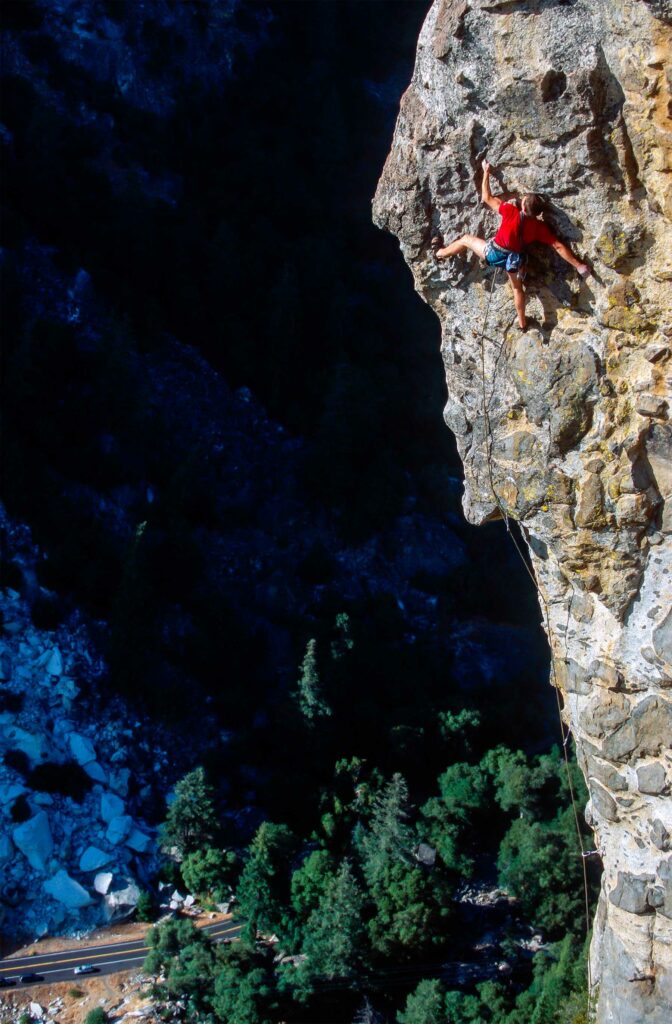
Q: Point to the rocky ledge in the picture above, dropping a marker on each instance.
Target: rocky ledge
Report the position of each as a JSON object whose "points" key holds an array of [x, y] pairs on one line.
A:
{"points": [[567, 429]]}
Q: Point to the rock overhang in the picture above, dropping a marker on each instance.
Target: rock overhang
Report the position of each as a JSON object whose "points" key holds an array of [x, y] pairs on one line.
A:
{"points": [[566, 428]]}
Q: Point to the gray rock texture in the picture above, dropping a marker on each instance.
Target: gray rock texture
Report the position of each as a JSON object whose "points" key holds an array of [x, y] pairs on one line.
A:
{"points": [[566, 428], [66, 890], [33, 839]]}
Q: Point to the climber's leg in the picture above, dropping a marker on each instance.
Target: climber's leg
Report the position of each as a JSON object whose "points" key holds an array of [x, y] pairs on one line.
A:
{"points": [[518, 298], [476, 245]]}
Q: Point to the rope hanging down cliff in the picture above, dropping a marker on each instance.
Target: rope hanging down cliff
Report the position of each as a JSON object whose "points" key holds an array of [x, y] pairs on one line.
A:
{"points": [[564, 731]]}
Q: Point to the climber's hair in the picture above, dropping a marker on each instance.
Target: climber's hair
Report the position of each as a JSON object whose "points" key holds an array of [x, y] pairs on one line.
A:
{"points": [[533, 205]]}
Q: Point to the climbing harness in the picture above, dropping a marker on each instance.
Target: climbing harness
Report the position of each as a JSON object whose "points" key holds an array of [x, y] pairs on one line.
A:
{"points": [[564, 732]]}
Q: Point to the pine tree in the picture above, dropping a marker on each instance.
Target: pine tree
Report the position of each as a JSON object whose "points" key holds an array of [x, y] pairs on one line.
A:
{"points": [[308, 693], [426, 1005], [263, 888], [334, 934], [191, 822], [343, 641], [408, 905], [389, 837]]}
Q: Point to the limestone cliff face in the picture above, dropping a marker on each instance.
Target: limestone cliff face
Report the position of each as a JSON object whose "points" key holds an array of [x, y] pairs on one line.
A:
{"points": [[570, 99]]}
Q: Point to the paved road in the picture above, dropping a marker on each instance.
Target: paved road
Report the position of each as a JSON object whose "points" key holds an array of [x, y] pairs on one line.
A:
{"points": [[120, 956]]}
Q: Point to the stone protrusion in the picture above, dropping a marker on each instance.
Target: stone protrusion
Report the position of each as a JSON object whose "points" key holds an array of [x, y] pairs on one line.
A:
{"points": [[572, 102]]}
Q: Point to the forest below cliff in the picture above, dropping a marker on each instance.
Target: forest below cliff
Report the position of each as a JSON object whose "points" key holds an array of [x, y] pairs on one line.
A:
{"points": [[222, 421]]}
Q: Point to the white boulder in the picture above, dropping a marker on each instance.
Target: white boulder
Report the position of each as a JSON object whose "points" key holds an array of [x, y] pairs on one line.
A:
{"points": [[121, 902], [33, 838], [102, 882]]}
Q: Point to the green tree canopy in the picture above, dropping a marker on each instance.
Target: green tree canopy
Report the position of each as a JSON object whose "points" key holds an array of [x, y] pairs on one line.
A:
{"points": [[308, 694], [244, 986], [184, 955], [191, 822], [263, 890], [144, 908], [540, 863], [209, 872], [334, 933], [343, 641], [389, 837], [310, 883], [426, 1005], [448, 817], [350, 799], [408, 908]]}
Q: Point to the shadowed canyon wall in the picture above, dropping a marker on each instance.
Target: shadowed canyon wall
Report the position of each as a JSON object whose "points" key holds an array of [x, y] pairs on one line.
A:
{"points": [[572, 100]]}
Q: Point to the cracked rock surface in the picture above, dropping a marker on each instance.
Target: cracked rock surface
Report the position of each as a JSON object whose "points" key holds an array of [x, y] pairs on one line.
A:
{"points": [[571, 100]]}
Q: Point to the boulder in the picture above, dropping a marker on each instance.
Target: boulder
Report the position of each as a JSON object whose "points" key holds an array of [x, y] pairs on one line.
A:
{"points": [[6, 848], [138, 841], [111, 806], [81, 748], [67, 891], [121, 902], [9, 792], [102, 882], [94, 858], [118, 829], [33, 838], [119, 781], [95, 772], [55, 663]]}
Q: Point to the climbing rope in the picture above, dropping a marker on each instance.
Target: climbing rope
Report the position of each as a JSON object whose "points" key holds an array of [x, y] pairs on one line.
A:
{"points": [[564, 730]]}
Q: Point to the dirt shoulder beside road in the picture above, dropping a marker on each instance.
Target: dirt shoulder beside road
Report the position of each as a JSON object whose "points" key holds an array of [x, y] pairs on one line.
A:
{"points": [[131, 931]]}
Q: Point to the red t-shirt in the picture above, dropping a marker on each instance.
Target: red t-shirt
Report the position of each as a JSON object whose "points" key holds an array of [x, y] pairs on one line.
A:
{"points": [[533, 230]]}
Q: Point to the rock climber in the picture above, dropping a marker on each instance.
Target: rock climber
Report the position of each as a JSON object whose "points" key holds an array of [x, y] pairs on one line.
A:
{"points": [[520, 225]]}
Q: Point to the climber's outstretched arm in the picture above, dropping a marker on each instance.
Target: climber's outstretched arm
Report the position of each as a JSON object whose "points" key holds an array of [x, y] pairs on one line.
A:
{"points": [[486, 195], [570, 258]]}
